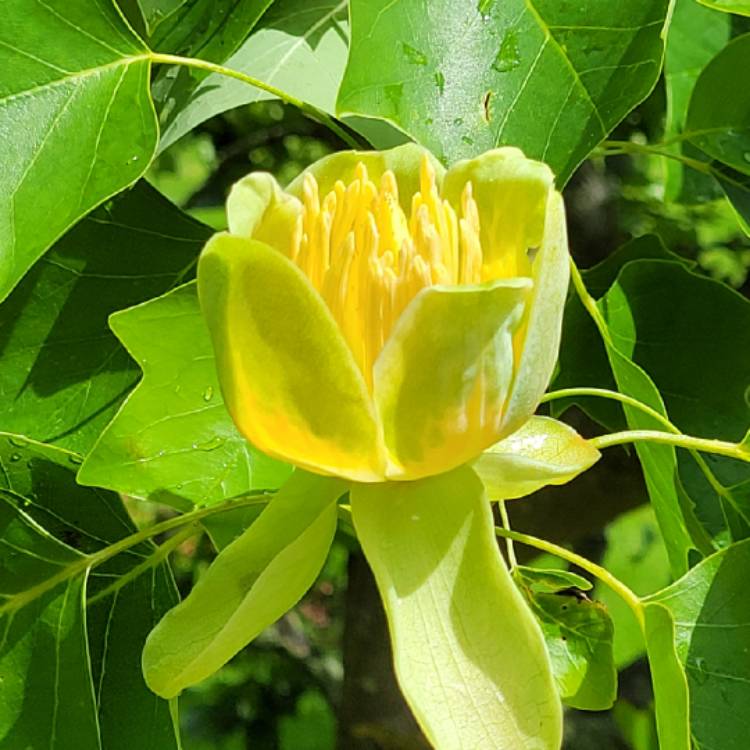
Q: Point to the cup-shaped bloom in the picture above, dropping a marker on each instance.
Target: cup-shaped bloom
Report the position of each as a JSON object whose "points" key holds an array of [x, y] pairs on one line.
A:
{"points": [[383, 318]]}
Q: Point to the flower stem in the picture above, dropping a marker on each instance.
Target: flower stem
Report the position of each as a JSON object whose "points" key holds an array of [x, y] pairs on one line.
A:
{"points": [[508, 541], [719, 447], [615, 584], [308, 109]]}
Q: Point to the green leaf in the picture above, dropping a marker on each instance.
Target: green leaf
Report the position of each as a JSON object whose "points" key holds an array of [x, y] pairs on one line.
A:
{"points": [[252, 583], [685, 330], [551, 581], [552, 78], [469, 655], [172, 440], [696, 34], [78, 663], [710, 612], [208, 29], [741, 7], [76, 120], [297, 47], [635, 554], [718, 120], [63, 373], [578, 634], [736, 187], [542, 452]]}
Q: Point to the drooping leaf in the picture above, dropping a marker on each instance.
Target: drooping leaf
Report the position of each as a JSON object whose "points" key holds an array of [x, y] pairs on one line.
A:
{"points": [[69, 676], [77, 79], [173, 440], [578, 633], [551, 581], [297, 47], [468, 653], [62, 371], [252, 583], [542, 452], [736, 187], [718, 120], [552, 78], [710, 616]]}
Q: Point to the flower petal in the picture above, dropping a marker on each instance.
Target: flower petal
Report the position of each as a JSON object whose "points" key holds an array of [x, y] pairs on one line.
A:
{"points": [[443, 377], [257, 207], [543, 451], [511, 193], [287, 375], [252, 582], [539, 341], [468, 653], [404, 161]]}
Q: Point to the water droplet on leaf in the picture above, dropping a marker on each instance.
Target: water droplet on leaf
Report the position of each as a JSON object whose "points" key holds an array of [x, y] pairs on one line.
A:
{"points": [[466, 139], [208, 394], [75, 459], [15, 457], [508, 57], [458, 121], [440, 81], [210, 445]]}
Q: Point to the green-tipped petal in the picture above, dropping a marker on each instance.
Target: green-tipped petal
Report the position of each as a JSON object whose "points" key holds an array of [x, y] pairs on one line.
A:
{"points": [[287, 375], [468, 653], [539, 341], [404, 161], [511, 193], [252, 583], [543, 451], [443, 377], [258, 208]]}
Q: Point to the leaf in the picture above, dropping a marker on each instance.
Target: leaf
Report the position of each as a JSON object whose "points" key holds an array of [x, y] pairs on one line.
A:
{"points": [[696, 34], [208, 29], [62, 371], [551, 581], [689, 349], [711, 620], [552, 78], [252, 583], [468, 653], [741, 7], [718, 120], [172, 440], [542, 452], [81, 667], [583, 357], [298, 48], [76, 120], [578, 633], [635, 554], [736, 187]]}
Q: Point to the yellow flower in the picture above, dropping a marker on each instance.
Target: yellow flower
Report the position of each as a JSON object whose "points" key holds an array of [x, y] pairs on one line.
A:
{"points": [[383, 319]]}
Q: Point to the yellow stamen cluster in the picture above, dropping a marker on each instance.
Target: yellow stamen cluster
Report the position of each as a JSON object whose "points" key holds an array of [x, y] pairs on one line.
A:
{"points": [[368, 260]]}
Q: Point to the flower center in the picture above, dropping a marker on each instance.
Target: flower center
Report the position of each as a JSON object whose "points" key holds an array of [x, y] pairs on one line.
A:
{"points": [[368, 260]]}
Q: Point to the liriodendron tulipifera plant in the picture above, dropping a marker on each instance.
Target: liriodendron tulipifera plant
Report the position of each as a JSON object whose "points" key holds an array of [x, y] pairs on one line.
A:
{"points": [[389, 327]]}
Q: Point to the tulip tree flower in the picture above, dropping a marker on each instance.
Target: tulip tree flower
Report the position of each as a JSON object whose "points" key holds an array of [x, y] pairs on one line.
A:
{"points": [[389, 328]]}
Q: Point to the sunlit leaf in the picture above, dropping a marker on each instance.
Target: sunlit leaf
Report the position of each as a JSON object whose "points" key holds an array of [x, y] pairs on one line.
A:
{"points": [[552, 78], [77, 79]]}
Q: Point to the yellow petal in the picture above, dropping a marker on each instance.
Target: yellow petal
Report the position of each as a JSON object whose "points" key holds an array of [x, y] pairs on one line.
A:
{"points": [[443, 377], [287, 375], [543, 451]]}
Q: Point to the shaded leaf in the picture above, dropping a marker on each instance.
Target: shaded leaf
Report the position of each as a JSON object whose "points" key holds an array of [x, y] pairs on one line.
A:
{"points": [[718, 120], [82, 668], [78, 79], [173, 440], [742, 7], [62, 371], [551, 581], [467, 77], [251, 584]]}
